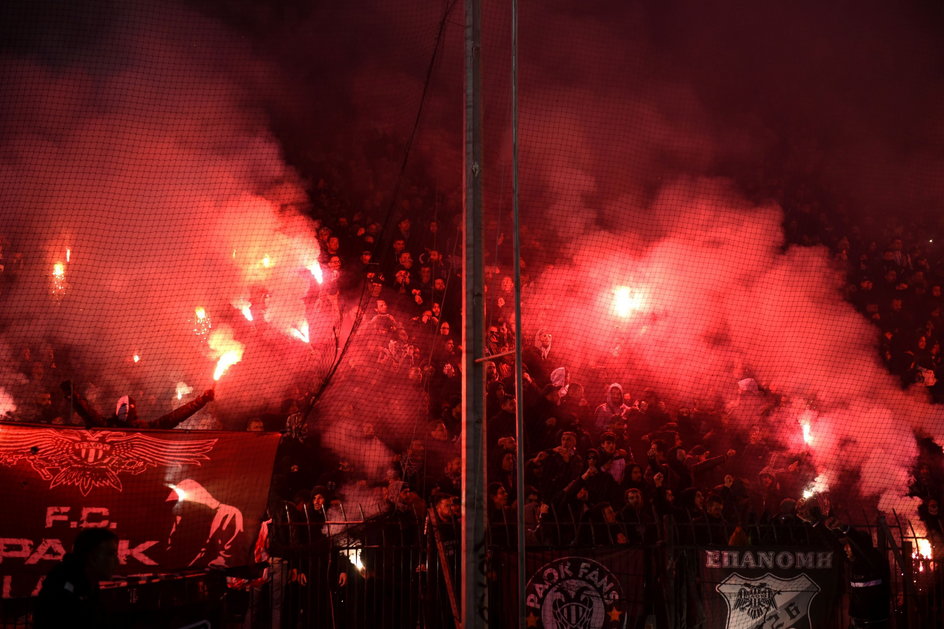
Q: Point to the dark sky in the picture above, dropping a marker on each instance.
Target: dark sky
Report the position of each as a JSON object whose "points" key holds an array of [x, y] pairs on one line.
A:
{"points": [[844, 93]]}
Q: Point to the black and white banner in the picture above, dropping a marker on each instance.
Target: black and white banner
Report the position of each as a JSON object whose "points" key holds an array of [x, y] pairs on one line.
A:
{"points": [[770, 588], [575, 588]]}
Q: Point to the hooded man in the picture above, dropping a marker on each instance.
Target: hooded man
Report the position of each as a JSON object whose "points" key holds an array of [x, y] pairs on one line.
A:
{"points": [[612, 410], [194, 511]]}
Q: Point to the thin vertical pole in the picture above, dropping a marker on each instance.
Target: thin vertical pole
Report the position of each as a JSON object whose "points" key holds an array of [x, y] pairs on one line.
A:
{"points": [[519, 379], [474, 585]]}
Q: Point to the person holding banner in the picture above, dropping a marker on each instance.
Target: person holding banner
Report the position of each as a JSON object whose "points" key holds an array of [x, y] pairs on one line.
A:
{"points": [[70, 594], [126, 412]]}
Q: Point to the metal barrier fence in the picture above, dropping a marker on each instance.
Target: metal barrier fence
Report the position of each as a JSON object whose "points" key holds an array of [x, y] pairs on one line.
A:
{"points": [[399, 570], [382, 572]]}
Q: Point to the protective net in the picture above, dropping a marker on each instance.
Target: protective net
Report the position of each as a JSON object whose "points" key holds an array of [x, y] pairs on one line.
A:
{"points": [[731, 278]]}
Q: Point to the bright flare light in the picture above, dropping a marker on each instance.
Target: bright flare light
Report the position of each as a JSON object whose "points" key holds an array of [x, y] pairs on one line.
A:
{"points": [[227, 360], [819, 485], [244, 307], [316, 271], [228, 350], [201, 322], [924, 548], [58, 279], [806, 426], [354, 556], [68, 255], [136, 358], [301, 332], [183, 389], [266, 262], [625, 301]]}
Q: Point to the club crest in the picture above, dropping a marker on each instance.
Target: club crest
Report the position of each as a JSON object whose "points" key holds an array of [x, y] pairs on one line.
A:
{"points": [[574, 593], [89, 459], [768, 601]]}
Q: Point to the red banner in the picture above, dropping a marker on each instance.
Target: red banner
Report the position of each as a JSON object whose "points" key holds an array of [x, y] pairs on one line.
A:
{"points": [[176, 499]]}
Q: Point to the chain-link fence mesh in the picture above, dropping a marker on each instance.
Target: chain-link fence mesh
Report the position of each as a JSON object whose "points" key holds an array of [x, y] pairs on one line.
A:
{"points": [[731, 269]]}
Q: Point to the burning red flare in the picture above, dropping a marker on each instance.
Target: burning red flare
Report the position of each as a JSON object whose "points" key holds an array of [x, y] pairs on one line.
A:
{"points": [[227, 360], [201, 322], [316, 271], [183, 389], [806, 427], [58, 279], [228, 350], [626, 301], [243, 306], [301, 332]]}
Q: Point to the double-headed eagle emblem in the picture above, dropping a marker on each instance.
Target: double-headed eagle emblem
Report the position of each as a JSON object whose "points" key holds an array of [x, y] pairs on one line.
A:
{"points": [[89, 459], [756, 599]]}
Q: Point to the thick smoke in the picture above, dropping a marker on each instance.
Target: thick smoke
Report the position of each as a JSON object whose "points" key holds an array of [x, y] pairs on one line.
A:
{"points": [[645, 128], [717, 299], [140, 184], [647, 150], [141, 160]]}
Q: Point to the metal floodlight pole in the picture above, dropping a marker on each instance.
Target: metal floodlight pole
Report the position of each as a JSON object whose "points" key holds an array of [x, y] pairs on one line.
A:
{"points": [[474, 586], [519, 378]]}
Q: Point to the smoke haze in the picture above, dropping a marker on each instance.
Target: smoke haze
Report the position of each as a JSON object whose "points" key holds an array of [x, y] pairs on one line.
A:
{"points": [[170, 154], [152, 180]]}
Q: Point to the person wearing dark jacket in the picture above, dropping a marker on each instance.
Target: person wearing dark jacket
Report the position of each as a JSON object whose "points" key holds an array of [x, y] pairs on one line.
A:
{"points": [[536, 358], [126, 412], [868, 581], [70, 593]]}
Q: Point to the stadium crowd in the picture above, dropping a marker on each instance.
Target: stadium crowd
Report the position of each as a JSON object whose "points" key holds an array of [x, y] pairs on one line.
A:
{"points": [[600, 455], [604, 465], [605, 456]]}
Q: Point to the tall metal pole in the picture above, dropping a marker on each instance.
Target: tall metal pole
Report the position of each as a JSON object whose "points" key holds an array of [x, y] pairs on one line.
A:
{"points": [[519, 378], [474, 586]]}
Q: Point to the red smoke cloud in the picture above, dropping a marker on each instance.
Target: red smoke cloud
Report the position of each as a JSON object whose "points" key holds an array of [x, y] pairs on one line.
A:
{"points": [[155, 170]]}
